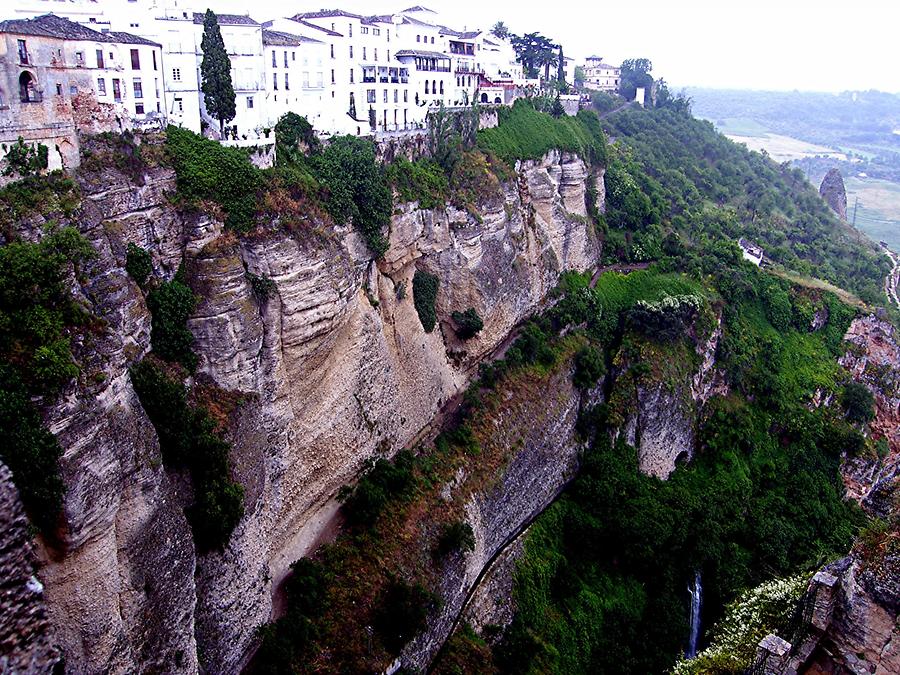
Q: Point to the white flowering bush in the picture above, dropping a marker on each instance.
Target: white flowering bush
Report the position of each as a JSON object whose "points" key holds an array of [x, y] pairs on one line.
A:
{"points": [[756, 613], [666, 319]]}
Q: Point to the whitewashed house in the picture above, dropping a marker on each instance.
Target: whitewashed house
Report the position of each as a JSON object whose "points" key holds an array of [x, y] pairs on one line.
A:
{"points": [[601, 76]]}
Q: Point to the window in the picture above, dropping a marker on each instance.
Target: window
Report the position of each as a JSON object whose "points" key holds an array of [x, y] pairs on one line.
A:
{"points": [[376, 31], [23, 52], [426, 86], [286, 85], [370, 96], [350, 29], [285, 59], [306, 78], [332, 76], [351, 76], [249, 102], [388, 54], [275, 81], [139, 108], [396, 95], [364, 30], [138, 89], [332, 51], [101, 86], [293, 56], [274, 59], [432, 39], [154, 59], [100, 58], [176, 75], [179, 104], [434, 86], [351, 51], [418, 38], [385, 96], [320, 79], [405, 96], [135, 60], [58, 89], [376, 53], [156, 87], [364, 54]]}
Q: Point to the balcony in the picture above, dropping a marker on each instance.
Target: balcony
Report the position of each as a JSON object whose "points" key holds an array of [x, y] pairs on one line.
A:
{"points": [[462, 48]]}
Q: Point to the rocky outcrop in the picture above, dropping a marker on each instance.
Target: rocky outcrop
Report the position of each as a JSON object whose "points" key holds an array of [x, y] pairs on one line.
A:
{"points": [[834, 193], [332, 366], [544, 458], [26, 640], [873, 358], [661, 408]]}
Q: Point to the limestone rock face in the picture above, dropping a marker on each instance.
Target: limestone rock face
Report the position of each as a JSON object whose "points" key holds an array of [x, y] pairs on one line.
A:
{"points": [[834, 193], [543, 429], [874, 360], [333, 367], [662, 416], [121, 589], [26, 640]]}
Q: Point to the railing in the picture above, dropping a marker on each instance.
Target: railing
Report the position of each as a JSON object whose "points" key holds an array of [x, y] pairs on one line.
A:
{"points": [[435, 69]]}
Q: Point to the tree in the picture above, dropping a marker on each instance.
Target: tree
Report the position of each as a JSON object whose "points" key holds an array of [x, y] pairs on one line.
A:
{"points": [[500, 30], [579, 76], [215, 73], [561, 69], [634, 75], [534, 51]]}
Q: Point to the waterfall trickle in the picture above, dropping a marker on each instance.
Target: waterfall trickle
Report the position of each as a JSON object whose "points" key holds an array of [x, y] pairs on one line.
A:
{"points": [[696, 599]]}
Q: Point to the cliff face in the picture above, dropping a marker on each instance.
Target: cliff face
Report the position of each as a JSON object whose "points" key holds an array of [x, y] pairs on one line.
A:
{"points": [[334, 367], [541, 428], [26, 642]]}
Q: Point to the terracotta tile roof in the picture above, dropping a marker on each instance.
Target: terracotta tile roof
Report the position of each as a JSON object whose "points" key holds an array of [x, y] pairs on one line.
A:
{"points": [[421, 52], [277, 38], [298, 18], [328, 13], [50, 25], [129, 39], [228, 19]]}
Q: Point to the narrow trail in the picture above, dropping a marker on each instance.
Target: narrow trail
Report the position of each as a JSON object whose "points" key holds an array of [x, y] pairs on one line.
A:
{"points": [[892, 280]]}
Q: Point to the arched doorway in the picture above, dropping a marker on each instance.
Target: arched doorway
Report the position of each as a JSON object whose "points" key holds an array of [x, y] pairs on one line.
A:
{"points": [[484, 98], [498, 100], [26, 88]]}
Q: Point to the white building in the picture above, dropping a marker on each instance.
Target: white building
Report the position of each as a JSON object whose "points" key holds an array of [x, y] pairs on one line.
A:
{"points": [[295, 78], [600, 76]]}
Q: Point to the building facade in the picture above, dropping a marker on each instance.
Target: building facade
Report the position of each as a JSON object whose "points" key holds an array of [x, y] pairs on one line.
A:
{"points": [[601, 76]]}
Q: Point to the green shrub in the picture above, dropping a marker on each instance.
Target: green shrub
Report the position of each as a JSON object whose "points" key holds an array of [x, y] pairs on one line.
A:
{"points": [[401, 613], [49, 195], [474, 182], [30, 451], [356, 187], [263, 287], [293, 135], [525, 133], [456, 536], [423, 181], [381, 483], [138, 264], [858, 402], [589, 367], [188, 439], [25, 160], [468, 323], [425, 288], [207, 170], [171, 303]]}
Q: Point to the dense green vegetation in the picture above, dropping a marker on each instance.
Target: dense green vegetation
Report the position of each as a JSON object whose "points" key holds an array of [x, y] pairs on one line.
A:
{"points": [[606, 566], [468, 323], [525, 133], [425, 288], [189, 439], [675, 173], [25, 160], [170, 304], [37, 317], [138, 264], [423, 181]]}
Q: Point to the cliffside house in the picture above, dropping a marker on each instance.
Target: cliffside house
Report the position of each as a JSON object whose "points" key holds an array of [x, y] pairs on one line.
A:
{"points": [[58, 77], [601, 76], [751, 251]]}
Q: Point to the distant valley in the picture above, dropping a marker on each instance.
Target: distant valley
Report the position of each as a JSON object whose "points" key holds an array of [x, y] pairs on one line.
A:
{"points": [[857, 132]]}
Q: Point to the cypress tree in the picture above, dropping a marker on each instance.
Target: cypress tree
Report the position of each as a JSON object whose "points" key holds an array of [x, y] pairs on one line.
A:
{"points": [[215, 73], [561, 69]]}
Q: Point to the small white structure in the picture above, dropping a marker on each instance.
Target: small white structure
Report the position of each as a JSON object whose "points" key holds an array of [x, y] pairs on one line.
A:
{"points": [[751, 251]]}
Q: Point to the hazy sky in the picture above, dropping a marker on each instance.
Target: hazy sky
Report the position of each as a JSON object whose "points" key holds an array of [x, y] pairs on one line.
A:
{"points": [[819, 45]]}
